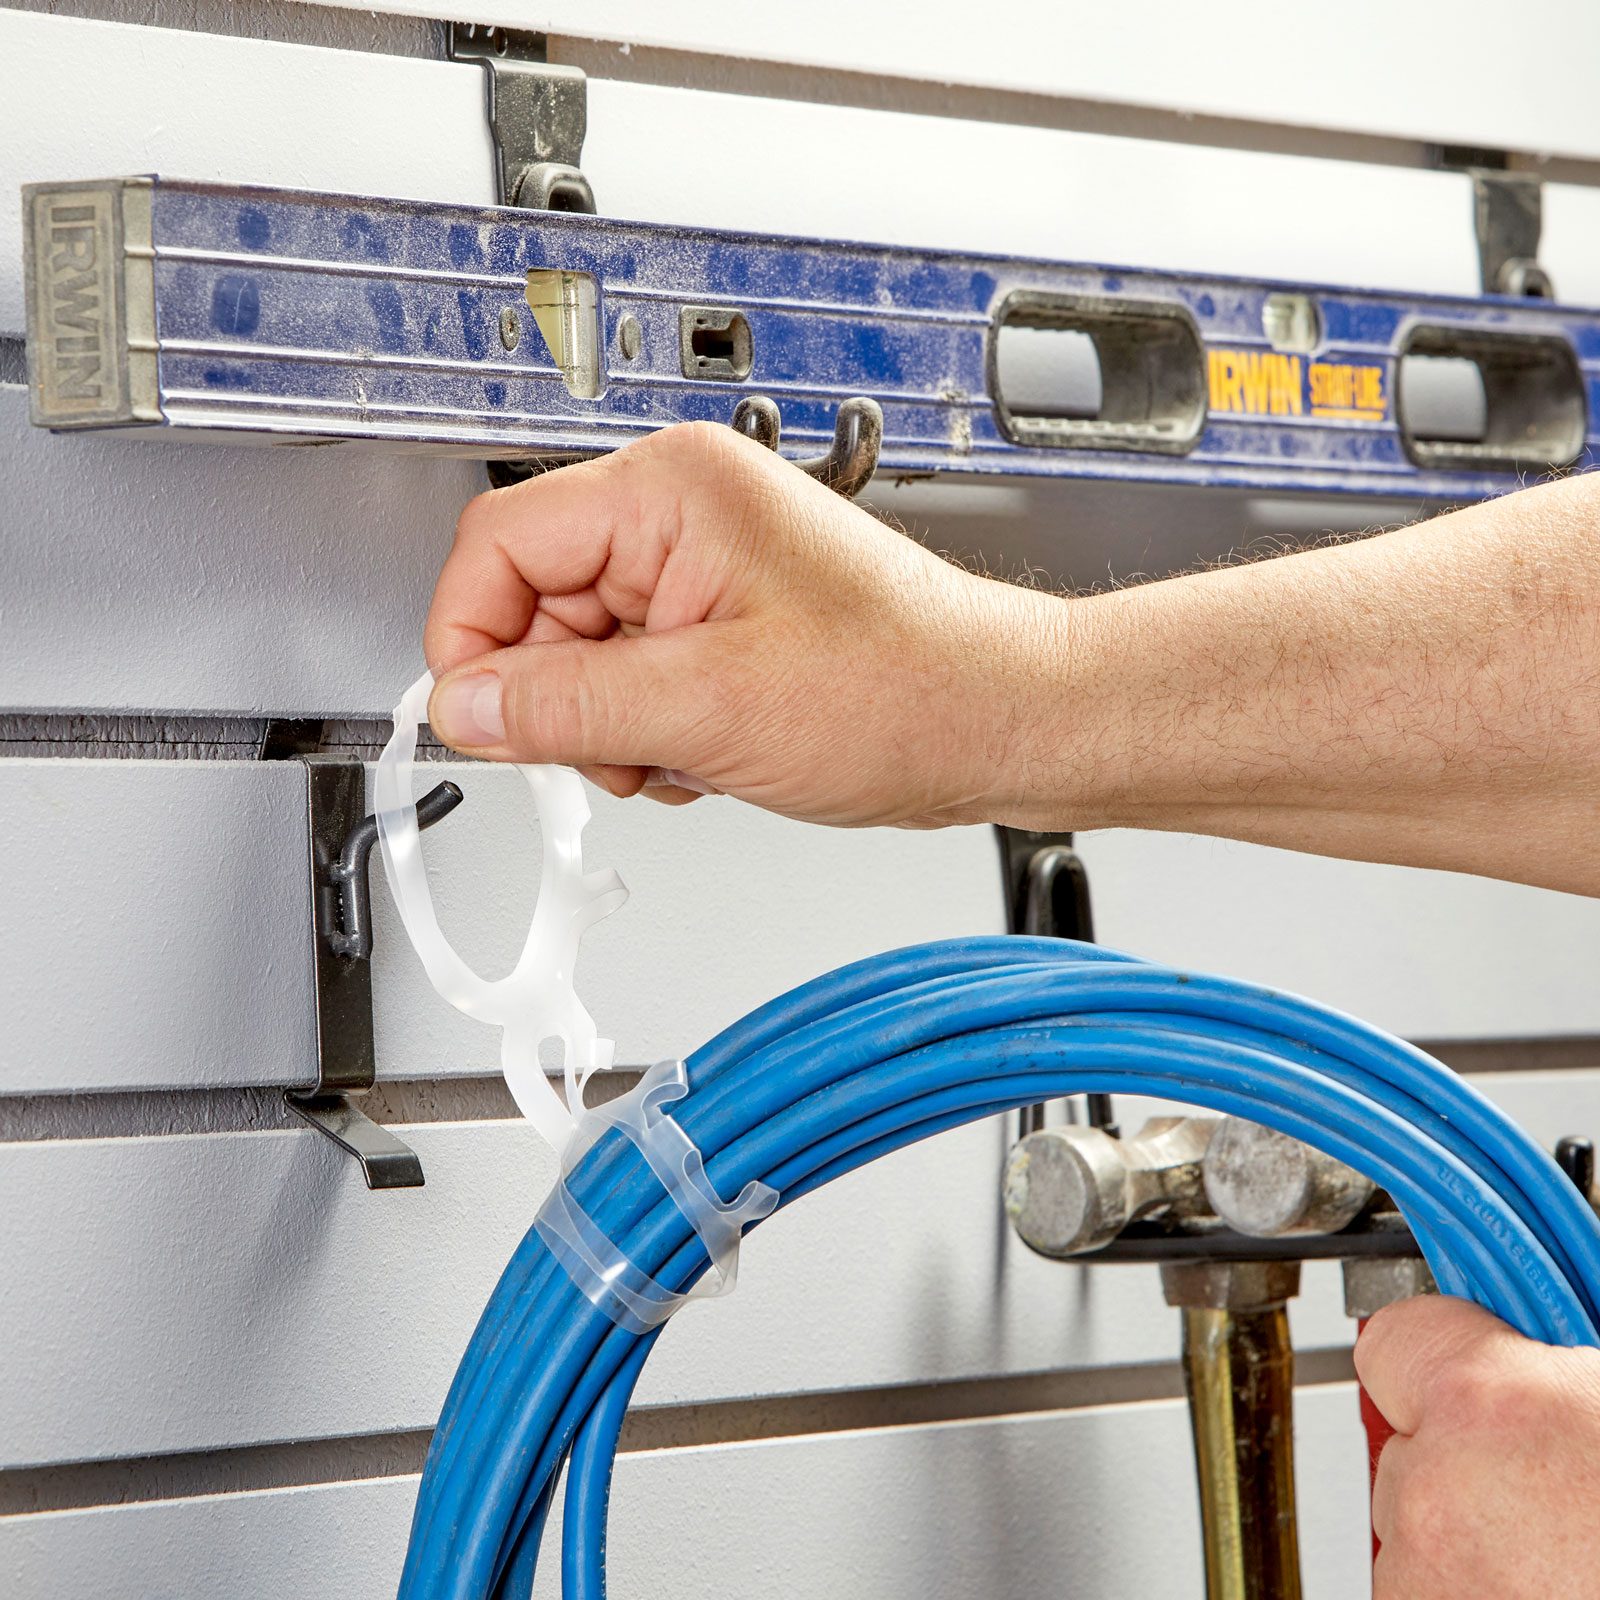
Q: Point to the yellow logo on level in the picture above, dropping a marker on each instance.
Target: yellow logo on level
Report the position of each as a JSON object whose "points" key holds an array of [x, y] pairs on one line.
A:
{"points": [[1355, 393], [1263, 383], [1256, 383]]}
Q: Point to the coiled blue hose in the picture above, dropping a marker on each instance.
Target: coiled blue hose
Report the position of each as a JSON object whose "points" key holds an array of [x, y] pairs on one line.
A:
{"points": [[895, 1049]]}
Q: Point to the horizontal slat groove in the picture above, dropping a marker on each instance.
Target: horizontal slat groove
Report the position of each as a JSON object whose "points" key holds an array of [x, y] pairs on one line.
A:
{"points": [[75, 1486], [126, 1114], [1557, 1053], [138, 1479], [880, 90], [178, 737], [845, 1411]]}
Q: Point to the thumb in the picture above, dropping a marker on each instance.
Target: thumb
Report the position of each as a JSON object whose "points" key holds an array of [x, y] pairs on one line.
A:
{"points": [[1411, 1354], [647, 701]]}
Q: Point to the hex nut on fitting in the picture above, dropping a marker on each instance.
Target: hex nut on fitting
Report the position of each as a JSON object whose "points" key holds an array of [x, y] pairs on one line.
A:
{"points": [[1263, 1183], [1371, 1284], [1229, 1285]]}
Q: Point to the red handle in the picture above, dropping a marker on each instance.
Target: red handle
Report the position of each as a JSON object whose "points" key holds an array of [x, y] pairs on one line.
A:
{"points": [[1379, 1433]]}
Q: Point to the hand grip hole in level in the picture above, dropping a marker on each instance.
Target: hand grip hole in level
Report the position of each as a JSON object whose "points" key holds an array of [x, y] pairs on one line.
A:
{"points": [[1441, 398], [1048, 372], [1093, 372], [1533, 409]]}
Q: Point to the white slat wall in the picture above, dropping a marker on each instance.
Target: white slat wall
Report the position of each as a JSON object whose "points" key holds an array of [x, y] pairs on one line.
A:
{"points": [[1386, 67], [219, 1354], [1027, 1505]]}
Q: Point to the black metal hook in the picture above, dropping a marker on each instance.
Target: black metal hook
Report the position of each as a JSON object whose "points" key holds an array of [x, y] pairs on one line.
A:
{"points": [[756, 417], [351, 932], [1575, 1157], [857, 438], [341, 842], [1047, 896]]}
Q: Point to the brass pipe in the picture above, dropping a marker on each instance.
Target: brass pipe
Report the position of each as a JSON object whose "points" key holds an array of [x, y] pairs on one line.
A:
{"points": [[1239, 1372]]}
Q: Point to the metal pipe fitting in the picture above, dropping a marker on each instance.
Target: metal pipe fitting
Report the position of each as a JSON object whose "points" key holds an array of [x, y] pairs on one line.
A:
{"points": [[1238, 1370], [1265, 1184], [1072, 1189]]}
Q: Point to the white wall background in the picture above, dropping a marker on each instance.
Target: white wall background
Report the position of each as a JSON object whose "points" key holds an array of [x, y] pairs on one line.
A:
{"points": [[218, 1353]]}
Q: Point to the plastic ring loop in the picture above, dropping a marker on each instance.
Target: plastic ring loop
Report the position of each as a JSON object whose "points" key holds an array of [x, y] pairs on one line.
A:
{"points": [[536, 999]]}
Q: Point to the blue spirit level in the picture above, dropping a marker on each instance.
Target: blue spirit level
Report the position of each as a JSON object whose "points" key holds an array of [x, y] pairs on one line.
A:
{"points": [[504, 333]]}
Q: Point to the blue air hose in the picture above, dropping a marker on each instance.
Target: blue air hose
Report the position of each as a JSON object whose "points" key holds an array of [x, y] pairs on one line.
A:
{"points": [[897, 1048]]}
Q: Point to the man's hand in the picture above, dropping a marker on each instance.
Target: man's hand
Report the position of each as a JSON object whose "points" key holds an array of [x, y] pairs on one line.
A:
{"points": [[695, 609], [1490, 1489]]}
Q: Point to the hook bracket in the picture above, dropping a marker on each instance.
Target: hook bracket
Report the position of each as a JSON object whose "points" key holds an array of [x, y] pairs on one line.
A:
{"points": [[538, 115], [1508, 215], [341, 838], [1047, 896], [1507, 218], [848, 466]]}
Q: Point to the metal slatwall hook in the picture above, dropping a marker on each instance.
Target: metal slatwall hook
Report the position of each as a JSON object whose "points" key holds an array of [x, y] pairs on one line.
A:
{"points": [[857, 438], [341, 839], [1047, 896], [352, 934], [538, 115]]}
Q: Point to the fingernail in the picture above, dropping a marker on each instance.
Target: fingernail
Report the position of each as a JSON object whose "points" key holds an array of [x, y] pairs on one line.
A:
{"points": [[672, 778], [466, 711]]}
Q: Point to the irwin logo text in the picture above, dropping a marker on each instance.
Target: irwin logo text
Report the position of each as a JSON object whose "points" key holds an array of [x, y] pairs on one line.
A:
{"points": [[75, 305]]}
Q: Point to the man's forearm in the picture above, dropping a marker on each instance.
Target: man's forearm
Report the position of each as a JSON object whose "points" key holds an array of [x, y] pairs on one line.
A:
{"points": [[692, 613], [1431, 696]]}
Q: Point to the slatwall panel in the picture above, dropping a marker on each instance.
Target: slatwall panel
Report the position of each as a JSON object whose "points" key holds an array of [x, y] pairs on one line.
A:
{"points": [[126, 934], [145, 549], [897, 1275], [901, 1274], [1234, 60], [1059, 1503], [145, 523], [1430, 955]]}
